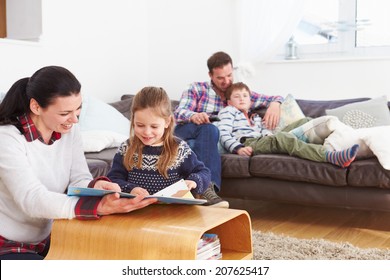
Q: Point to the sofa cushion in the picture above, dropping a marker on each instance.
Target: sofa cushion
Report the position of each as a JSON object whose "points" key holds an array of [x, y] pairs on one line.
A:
{"points": [[285, 167], [368, 173], [98, 167], [107, 155], [235, 166]]}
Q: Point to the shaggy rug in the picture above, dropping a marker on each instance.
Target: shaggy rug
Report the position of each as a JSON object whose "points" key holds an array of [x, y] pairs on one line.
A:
{"points": [[269, 246]]}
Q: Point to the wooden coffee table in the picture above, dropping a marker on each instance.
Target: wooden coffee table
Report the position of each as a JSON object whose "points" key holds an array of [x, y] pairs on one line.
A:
{"points": [[165, 231]]}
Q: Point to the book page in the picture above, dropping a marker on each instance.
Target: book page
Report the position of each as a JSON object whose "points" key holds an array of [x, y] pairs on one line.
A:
{"points": [[178, 189]]}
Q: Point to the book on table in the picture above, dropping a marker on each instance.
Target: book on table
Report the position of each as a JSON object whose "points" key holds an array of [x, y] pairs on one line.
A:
{"points": [[209, 247], [175, 193]]}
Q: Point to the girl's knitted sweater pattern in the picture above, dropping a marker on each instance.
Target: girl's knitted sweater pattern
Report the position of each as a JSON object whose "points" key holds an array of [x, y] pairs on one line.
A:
{"points": [[186, 166]]}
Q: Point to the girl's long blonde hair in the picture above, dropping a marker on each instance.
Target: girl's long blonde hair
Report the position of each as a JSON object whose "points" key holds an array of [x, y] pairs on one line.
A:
{"points": [[154, 98]]}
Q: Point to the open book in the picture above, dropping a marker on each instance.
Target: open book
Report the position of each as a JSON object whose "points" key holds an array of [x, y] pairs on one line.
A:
{"points": [[175, 193]]}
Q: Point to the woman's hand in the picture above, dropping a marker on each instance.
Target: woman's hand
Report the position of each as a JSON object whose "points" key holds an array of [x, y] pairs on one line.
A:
{"points": [[112, 203], [272, 115]]}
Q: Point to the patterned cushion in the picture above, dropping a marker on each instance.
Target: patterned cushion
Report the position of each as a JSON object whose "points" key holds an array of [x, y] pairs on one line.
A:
{"points": [[370, 113], [316, 130], [290, 112]]}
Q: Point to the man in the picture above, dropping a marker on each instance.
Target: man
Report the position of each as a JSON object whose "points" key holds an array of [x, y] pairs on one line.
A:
{"points": [[205, 99]]}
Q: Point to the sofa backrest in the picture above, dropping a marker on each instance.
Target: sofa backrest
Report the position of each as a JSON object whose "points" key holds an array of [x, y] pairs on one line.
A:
{"points": [[124, 105], [311, 108], [316, 108]]}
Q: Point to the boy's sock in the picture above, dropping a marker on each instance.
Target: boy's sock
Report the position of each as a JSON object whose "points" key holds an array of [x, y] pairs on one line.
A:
{"points": [[342, 158]]}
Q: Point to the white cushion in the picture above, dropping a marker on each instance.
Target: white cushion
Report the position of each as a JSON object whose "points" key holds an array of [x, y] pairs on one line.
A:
{"points": [[98, 115], [344, 137], [101, 125], [376, 138], [98, 140]]}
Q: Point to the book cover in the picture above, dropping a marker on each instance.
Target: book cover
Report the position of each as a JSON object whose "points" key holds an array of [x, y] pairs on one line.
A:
{"points": [[175, 193]]}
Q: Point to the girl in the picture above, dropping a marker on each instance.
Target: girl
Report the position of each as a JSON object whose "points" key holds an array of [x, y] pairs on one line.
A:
{"points": [[41, 155], [152, 158]]}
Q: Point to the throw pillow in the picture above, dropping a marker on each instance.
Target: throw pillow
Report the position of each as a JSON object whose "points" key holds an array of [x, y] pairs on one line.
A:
{"points": [[98, 140], [289, 113], [376, 138], [370, 113], [98, 115], [316, 130], [344, 137]]}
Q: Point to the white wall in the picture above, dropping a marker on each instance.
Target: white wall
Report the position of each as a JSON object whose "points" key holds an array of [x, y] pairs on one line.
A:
{"points": [[183, 35], [319, 79], [117, 47]]}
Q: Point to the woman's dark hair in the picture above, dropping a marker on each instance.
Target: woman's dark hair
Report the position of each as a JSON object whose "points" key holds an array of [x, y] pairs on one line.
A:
{"points": [[44, 86], [218, 59]]}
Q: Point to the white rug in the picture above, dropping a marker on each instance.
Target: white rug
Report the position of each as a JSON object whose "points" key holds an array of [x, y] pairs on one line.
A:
{"points": [[269, 246]]}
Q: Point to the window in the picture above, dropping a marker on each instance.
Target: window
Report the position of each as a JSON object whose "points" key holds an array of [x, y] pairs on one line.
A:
{"points": [[21, 19], [344, 26]]}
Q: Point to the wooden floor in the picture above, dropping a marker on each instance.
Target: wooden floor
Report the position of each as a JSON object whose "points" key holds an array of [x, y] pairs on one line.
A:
{"points": [[364, 229]]}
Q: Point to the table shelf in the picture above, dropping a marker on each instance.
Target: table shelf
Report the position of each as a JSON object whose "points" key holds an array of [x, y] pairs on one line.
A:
{"points": [[165, 231]]}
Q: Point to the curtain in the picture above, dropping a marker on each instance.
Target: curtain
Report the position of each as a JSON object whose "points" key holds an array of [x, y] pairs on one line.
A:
{"points": [[264, 27]]}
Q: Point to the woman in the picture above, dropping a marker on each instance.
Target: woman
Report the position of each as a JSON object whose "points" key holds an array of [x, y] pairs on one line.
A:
{"points": [[40, 156]]}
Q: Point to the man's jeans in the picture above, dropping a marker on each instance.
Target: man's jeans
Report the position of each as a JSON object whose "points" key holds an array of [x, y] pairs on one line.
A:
{"points": [[203, 140]]}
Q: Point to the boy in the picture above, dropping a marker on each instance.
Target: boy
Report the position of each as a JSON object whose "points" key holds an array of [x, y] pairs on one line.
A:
{"points": [[245, 135]]}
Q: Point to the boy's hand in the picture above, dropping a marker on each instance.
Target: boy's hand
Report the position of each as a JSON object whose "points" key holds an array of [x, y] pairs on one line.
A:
{"points": [[245, 151]]}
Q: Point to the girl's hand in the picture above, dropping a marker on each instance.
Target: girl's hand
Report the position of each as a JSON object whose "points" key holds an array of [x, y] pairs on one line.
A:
{"points": [[139, 191], [112, 203], [190, 184], [105, 185]]}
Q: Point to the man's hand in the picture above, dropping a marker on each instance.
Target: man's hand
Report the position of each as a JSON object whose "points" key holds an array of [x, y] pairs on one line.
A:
{"points": [[200, 118], [272, 115]]}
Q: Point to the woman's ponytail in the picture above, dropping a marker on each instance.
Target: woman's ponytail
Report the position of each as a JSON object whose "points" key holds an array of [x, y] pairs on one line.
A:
{"points": [[15, 103]]}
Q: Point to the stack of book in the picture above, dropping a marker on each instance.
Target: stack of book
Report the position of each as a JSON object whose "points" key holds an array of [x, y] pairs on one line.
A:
{"points": [[209, 247]]}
